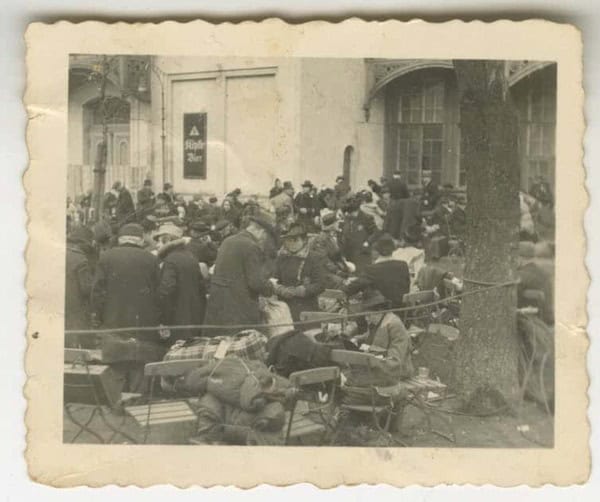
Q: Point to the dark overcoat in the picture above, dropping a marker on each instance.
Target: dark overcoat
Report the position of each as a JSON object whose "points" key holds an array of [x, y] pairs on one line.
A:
{"points": [[358, 234], [124, 210], [124, 292], [237, 282], [181, 291]]}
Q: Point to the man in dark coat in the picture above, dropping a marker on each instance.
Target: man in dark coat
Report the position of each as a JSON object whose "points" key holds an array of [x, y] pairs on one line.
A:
{"points": [[145, 200], [431, 195], [124, 295], [201, 245], [395, 211], [78, 283], [359, 232], [325, 244], [181, 290], [304, 206], [124, 210], [387, 275], [126, 282], [300, 272], [238, 279]]}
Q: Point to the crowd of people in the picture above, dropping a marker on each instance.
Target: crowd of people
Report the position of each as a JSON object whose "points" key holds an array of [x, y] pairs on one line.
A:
{"points": [[166, 261]]}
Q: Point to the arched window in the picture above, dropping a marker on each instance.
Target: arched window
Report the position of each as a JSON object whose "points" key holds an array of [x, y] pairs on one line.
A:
{"points": [[123, 159]]}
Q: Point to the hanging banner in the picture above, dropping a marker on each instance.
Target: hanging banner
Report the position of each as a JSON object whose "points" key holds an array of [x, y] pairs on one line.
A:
{"points": [[194, 145]]}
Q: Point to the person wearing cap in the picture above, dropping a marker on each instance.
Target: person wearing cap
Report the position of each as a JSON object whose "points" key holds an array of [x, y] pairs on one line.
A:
{"points": [[387, 275], [200, 244], [181, 289], [125, 295], [359, 232], [145, 199], [387, 337], [124, 207], [212, 211], [430, 195], [234, 197], [276, 189], [221, 230], [283, 204], [238, 278], [304, 206], [369, 207], [326, 245], [299, 272], [342, 192], [78, 282]]}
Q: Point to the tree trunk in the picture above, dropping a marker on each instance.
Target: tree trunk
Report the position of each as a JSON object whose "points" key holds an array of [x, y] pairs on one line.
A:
{"points": [[486, 355]]}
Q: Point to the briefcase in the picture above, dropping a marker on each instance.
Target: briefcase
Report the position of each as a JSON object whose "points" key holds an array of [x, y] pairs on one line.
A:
{"points": [[92, 384]]}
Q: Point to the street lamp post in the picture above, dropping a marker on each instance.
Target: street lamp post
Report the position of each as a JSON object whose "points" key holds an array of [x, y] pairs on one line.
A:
{"points": [[163, 136]]}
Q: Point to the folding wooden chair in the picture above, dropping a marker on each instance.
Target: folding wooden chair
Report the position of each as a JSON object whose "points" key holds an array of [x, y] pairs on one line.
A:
{"points": [[372, 395], [166, 416], [90, 385], [300, 421]]}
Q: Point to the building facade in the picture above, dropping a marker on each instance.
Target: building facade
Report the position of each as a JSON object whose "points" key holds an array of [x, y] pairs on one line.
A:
{"points": [[214, 124]]}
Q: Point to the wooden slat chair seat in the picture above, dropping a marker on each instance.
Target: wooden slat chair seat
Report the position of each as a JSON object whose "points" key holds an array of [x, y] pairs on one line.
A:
{"points": [[167, 419]]}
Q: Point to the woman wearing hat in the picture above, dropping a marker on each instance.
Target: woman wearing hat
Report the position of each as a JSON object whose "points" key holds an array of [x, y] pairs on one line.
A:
{"points": [[304, 204], [299, 272]]}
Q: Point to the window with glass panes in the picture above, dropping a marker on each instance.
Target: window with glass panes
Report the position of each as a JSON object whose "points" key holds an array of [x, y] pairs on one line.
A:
{"points": [[420, 131], [540, 118]]}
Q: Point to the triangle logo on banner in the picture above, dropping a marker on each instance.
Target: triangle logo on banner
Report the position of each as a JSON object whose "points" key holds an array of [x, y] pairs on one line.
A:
{"points": [[194, 131]]}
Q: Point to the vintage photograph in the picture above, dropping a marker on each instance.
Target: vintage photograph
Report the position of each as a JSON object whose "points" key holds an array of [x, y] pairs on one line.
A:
{"points": [[310, 251]]}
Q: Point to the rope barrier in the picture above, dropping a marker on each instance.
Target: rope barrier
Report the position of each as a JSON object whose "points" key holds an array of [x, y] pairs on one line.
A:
{"points": [[333, 318]]}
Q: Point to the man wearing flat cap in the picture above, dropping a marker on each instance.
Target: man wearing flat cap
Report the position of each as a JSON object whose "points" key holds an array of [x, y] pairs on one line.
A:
{"points": [[201, 245], [238, 278]]}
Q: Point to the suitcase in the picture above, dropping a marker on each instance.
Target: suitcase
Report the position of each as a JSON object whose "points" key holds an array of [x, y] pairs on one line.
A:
{"points": [[81, 383]]}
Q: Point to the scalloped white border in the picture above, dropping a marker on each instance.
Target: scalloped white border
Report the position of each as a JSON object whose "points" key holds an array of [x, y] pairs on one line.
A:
{"points": [[54, 463]]}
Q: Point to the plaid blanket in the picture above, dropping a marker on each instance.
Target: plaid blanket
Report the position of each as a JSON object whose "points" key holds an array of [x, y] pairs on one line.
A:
{"points": [[248, 344]]}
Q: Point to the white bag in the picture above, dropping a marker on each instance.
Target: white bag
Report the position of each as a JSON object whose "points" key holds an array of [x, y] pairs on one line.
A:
{"points": [[277, 312]]}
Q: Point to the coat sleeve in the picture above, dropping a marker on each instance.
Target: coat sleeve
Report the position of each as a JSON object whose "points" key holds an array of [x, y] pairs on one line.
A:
{"points": [[84, 279], [166, 289], [316, 275], [398, 352], [253, 266]]}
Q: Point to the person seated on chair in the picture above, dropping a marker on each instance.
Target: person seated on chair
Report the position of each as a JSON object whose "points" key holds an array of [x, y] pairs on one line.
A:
{"points": [[386, 337], [387, 274]]}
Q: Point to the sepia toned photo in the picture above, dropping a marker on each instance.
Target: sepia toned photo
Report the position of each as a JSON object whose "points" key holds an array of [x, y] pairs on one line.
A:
{"points": [[332, 251]]}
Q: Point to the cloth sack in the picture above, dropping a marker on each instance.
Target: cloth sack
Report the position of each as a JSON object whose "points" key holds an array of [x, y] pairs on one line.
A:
{"points": [[414, 258], [276, 312]]}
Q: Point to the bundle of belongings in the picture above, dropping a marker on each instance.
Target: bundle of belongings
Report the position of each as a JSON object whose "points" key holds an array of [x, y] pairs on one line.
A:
{"points": [[237, 398], [248, 344]]}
